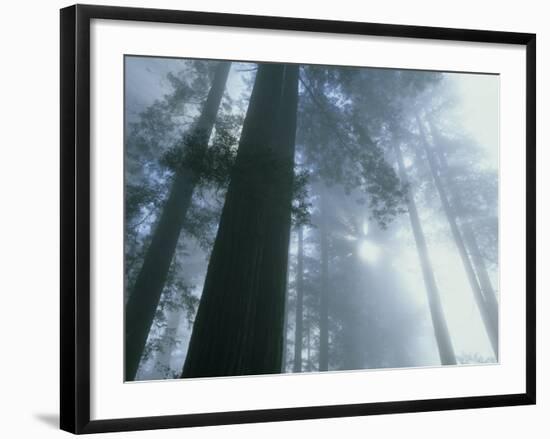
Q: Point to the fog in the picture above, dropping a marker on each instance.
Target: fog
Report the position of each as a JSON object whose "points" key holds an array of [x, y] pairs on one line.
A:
{"points": [[368, 286]]}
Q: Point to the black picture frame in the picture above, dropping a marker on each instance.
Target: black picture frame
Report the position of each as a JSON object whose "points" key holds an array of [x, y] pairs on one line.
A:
{"points": [[75, 217]]}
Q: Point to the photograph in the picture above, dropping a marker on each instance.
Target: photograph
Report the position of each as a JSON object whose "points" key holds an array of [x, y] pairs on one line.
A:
{"points": [[285, 218]]}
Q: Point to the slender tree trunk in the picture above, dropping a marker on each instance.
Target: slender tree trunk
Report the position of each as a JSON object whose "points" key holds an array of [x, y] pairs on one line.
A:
{"points": [[285, 326], [469, 236], [489, 323], [238, 329], [145, 294], [168, 339], [443, 339], [350, 343], [298, 334], [308, 341], [324, 305], [481, 270]]}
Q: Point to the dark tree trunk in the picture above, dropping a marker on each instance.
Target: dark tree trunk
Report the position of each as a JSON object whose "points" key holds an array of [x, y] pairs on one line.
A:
{"points": [[298, 328], [324, 299], [238, 329], [490, 325], [443, 339], [469, 236], [145, 294]]}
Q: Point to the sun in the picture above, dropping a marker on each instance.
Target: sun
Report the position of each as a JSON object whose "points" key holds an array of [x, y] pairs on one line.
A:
{"points": [[368, 252]]}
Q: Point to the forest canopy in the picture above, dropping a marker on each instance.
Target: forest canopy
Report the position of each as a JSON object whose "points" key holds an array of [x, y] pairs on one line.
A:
{"points": [[286, 218]]}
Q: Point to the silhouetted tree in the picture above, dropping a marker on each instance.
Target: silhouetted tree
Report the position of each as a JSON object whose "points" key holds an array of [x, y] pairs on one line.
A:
{"points": [[238, 329], [145, 294]]}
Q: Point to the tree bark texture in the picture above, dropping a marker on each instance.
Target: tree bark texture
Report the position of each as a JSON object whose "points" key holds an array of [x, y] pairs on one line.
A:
{"points": [[238, 329]]}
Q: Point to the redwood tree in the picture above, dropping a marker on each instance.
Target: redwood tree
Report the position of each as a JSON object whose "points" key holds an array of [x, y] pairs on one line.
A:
{"points": [[238, 329], [490, 320], [441, 331], [146, 292], [298, 327]]}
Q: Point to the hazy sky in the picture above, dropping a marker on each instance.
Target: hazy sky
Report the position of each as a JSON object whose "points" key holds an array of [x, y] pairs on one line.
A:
{"points": [[478, 109]]}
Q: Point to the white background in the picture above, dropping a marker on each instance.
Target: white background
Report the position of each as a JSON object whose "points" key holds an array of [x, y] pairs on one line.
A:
{"points": [[30, 205]]}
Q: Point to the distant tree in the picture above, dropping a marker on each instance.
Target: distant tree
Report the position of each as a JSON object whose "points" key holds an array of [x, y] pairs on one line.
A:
{"points": [[464, 213], [441, 331], [324, 293], [372, 324], [299, 333], [384, 101], [146, 291], [488, 313], [334, 147]]}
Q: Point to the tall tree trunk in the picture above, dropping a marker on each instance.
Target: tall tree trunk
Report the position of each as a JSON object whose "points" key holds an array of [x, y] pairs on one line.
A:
{"points": [[469, 236], [352, 343], [238, 329], [168, 340], [324, 305], [353, 302], [488, 322], [308, 341], [145, 294], [441, 331], [298, 328], [285, 325]]}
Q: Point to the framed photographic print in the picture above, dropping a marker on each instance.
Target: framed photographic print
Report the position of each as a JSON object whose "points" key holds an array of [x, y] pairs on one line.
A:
{"points": [[268, 218]]}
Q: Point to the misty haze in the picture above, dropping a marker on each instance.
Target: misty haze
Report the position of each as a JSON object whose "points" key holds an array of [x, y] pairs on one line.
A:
{"points": [[285, 218]]}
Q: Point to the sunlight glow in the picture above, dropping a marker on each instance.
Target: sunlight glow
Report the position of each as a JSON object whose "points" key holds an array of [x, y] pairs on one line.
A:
{"points": [[369, 252], [350, 238], [407, 162], [365, 228]]}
